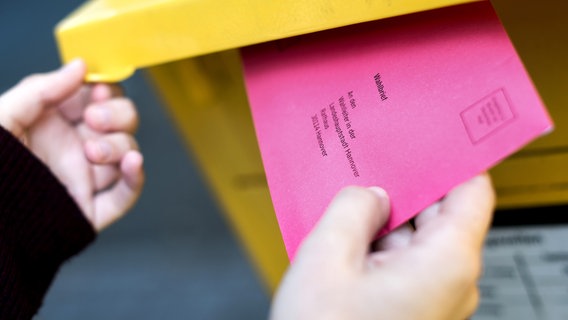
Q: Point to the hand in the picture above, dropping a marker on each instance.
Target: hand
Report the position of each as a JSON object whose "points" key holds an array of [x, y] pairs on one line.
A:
{"points": [[429, 273], [83, 134]]}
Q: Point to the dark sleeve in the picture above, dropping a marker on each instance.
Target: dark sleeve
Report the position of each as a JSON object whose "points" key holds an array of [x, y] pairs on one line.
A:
{"points": [[40, 227]]}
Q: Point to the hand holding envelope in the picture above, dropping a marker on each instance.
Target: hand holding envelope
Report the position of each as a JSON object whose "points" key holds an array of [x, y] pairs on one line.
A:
{"points": [[427, 274]]}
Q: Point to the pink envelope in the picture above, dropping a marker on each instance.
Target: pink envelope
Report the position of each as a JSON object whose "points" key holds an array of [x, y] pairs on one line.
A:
{"points": [[415, 104]]}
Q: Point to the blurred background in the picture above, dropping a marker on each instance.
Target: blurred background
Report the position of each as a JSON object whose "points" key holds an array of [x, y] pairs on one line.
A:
{"points": [[173, 256]]}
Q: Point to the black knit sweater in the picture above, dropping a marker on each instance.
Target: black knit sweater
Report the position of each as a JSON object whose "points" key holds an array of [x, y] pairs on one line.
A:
{"points": [[40, 227]]}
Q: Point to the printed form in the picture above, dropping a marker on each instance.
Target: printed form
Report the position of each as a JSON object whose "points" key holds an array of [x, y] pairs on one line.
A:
{"points": [[415, 104]]}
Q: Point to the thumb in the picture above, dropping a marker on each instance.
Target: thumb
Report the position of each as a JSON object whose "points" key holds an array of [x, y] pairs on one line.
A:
{"points": [[348, 226], [22, 105]]}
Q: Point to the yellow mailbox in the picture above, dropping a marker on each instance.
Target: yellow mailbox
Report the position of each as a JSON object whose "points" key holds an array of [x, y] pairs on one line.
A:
{"points": [[190, 50]]}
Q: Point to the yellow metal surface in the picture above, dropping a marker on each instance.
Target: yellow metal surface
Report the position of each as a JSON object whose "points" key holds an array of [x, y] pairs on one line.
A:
{"points": [[207, 101], [538, 175], [116, 37]]}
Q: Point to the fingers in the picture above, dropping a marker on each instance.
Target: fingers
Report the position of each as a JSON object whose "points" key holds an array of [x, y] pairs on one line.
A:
{"points": [[24, 104], [106, 153], [399, 238], [427, 215], [468, 209], [105, 176], [108, 126], [349, 224], [472, 198], [479, 200], [131, 168], [105, 91], [72, 108], [118, 176], [112, 204], [117, 114], [110, 148], [449, 236]]}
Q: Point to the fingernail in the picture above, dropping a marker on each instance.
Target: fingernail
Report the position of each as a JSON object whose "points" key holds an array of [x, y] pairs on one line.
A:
{"points": [[135, 161], [101, 115], [380, 192]]}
